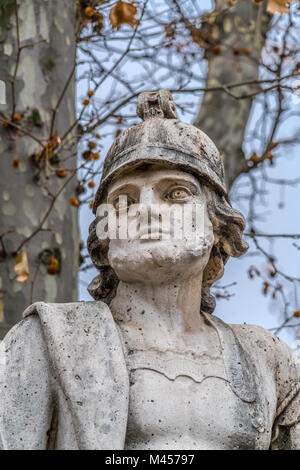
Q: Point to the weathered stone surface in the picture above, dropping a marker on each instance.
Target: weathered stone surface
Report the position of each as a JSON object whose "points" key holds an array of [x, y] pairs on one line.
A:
{"points": [[149, 367]]}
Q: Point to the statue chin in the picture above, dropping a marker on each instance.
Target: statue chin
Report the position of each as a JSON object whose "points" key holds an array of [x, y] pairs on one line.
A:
{"points": [[158, 261]]}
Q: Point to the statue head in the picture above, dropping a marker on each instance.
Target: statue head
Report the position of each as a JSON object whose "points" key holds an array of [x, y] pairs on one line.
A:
{"points": [[165, 161]]}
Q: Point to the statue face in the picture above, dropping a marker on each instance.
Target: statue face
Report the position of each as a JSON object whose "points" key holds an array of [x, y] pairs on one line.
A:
{"points": [[175, 238]]}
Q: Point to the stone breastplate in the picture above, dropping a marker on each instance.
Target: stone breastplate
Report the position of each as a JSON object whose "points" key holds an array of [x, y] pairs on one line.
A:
{"points": [[206, 386], [173, 364], [239, 369], [177, 401]]}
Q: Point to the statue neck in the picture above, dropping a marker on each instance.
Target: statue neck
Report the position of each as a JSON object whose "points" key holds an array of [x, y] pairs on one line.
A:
{"points": [[173, 307]]}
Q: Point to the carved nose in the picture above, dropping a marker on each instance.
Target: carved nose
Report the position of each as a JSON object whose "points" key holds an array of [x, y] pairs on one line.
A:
{"points": [[147, 196]]}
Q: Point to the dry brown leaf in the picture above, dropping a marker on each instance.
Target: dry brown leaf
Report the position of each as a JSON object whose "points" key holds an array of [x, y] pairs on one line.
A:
{"points": [[279, 6], [53, 266], [197, 37], [21, 267], [74, 201], [273, 144], [169, 31], [296, 314], [266, 286], [269, 156], [123, 13], [254, 158], [241, 50], [250, 274], [216, 49]]}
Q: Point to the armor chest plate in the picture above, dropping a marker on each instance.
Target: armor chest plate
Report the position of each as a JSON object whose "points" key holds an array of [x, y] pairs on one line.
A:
{"points": [[185, 401], [185, 414]]}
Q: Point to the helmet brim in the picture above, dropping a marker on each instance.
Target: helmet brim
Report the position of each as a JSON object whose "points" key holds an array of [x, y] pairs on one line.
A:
{"points": [[199, 165]]}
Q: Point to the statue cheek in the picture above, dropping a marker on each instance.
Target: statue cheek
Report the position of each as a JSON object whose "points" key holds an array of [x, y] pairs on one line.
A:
{"points": [[209, 235]]}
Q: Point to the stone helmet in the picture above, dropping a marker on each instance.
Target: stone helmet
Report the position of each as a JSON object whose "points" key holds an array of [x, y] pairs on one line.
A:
{"points": [[162, 138]]}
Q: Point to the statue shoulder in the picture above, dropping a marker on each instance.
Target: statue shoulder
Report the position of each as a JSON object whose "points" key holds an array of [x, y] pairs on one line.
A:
{"points": [[259, 340], [27, 332], [256, 337], [271, 353], [30, 332], [71, 309], [72, 315], [23, 360]]}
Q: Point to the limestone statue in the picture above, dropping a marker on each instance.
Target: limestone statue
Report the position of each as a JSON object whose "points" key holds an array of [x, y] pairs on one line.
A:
{"points": [[147, 365]]}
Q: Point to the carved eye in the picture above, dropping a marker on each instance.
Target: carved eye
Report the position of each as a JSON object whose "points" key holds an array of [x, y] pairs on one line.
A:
{"points": [[123, 202], [178, 194]]}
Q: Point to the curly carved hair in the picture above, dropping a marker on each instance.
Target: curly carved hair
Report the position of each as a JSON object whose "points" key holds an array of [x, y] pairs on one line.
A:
{"points": [[228, 226]]}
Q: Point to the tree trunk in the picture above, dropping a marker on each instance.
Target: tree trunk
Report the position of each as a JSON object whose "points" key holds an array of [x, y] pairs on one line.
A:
{"points": [[41, 76], [241, 33]]}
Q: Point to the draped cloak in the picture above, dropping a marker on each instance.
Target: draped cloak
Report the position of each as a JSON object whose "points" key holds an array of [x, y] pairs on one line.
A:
{"points": [[64, 382]]}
